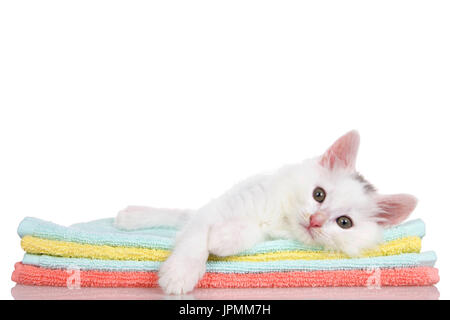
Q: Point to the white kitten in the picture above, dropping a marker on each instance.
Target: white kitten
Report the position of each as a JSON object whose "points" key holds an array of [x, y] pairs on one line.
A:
{"points": [[321, 201]]}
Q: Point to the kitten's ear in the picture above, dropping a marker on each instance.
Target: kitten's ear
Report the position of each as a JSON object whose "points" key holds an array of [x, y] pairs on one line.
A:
{"points": [[395, 208], [342, 154]]}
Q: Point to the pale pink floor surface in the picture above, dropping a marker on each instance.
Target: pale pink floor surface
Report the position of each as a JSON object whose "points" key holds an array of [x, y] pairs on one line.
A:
{"points": [[22, 292]]}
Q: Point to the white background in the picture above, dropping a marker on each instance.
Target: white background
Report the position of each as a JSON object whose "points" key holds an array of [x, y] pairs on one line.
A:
{"points": [[168, 103]]}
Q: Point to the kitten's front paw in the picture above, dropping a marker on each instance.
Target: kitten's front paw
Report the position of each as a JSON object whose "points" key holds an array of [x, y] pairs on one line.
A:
{"points": [[128, 218], [180, 274]]}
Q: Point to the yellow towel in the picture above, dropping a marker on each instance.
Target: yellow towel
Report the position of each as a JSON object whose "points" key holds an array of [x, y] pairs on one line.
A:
{"points": [[36, 245]]}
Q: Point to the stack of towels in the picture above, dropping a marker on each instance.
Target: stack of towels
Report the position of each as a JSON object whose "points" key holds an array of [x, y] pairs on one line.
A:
{"points": [[103, 256]]}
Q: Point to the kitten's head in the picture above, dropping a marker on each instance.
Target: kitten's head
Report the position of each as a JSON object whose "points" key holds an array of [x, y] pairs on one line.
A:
{"points": [[336, 207]]}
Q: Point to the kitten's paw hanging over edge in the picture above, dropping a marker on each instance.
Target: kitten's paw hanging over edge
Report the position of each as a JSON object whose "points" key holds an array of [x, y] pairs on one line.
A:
{"points": [[180, 274]]}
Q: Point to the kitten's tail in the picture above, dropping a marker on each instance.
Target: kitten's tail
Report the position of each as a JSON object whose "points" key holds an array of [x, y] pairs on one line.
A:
{"points": [[137, 217]]}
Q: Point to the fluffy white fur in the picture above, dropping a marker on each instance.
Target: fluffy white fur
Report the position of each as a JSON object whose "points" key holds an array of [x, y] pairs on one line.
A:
{"points": [[279, 205]]}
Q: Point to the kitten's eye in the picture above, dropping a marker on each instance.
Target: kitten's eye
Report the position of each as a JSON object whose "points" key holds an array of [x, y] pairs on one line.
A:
{"points": [[344, 222], [319, 194]]}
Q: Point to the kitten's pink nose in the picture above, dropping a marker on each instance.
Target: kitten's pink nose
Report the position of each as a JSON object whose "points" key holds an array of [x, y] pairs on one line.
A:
{"points": [[317, 220]]}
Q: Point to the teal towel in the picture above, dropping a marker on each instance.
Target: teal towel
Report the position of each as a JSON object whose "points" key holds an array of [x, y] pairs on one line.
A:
{"points": [[425, 259], [103, 232]]}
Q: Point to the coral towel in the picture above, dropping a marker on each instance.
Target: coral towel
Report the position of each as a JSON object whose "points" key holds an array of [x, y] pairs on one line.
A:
{"points": [[422, 276]]}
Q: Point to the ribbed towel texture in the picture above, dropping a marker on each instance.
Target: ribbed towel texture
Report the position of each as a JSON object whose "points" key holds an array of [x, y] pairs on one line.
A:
{"points": [[107, 257], [420, 276], [426, 259], [24, 292]]}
